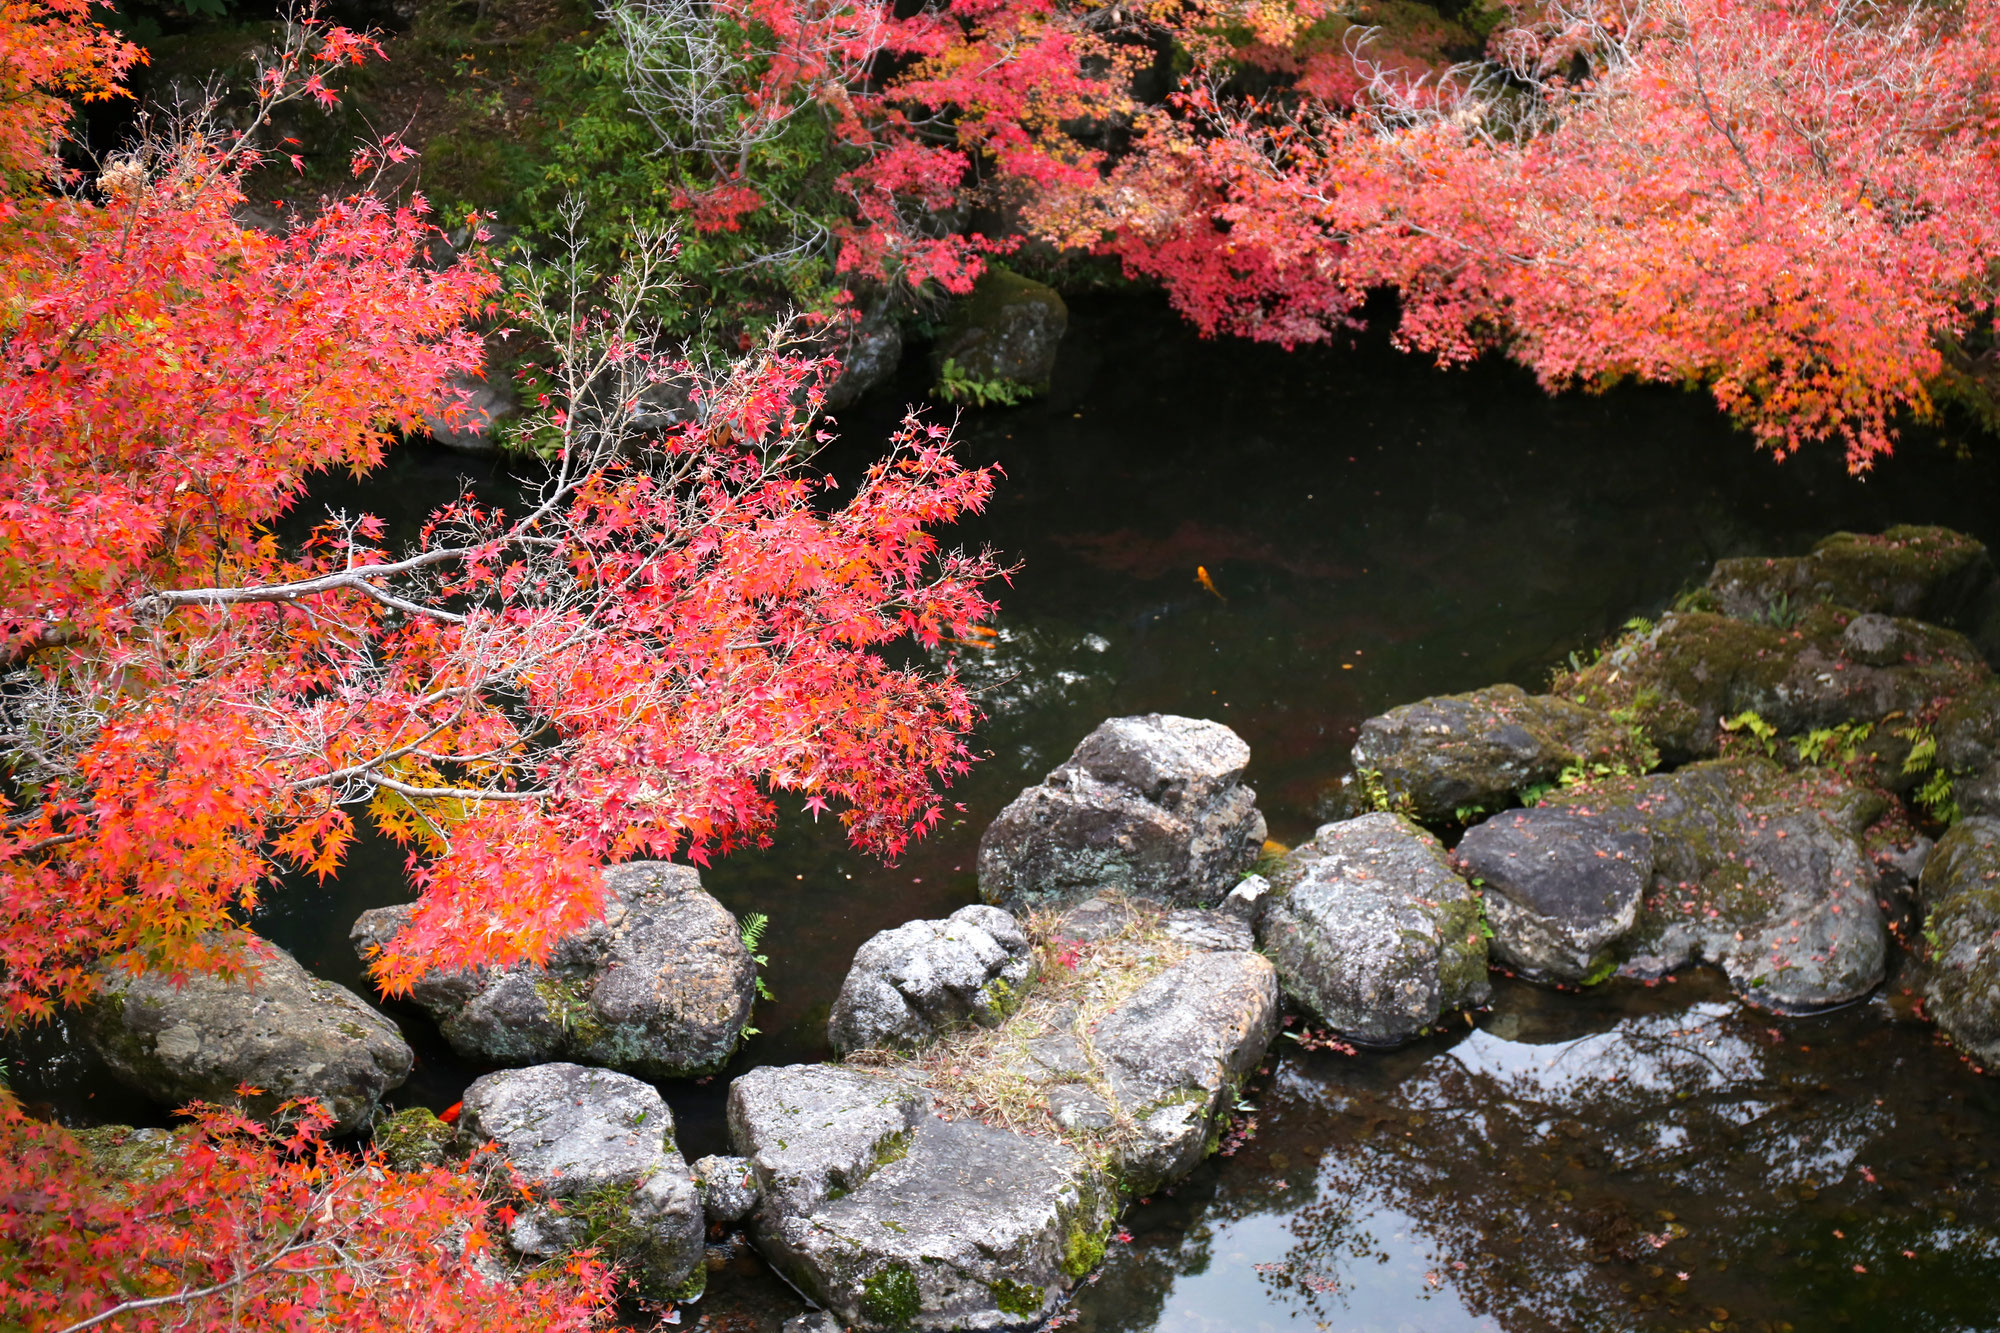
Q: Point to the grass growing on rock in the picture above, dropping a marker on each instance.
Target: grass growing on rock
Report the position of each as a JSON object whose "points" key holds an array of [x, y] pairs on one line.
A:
{"points": [[994, 1075]]}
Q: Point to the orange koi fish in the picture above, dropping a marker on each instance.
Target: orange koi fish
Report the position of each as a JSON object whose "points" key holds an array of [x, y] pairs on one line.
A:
{"points": [[1201, 577]]}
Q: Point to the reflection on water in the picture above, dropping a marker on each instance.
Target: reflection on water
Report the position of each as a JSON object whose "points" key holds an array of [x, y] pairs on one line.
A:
{"points": [[1375, 531], [1629, 1160]]}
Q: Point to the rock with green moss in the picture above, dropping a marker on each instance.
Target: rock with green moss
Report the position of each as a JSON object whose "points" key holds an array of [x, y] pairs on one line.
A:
{"points": [[910, 984], [812, 1132], [413, 1138], [894, 1219], [122, 1153], [1960, 896], [1682, 678], [1174, 1055], [1152, 806], [277, 1028], [1560, 891], [1925, 573], [661, 987], [1440, 758], [596, 1150], [1006, 331], [1761, 872], [1373, 932]]}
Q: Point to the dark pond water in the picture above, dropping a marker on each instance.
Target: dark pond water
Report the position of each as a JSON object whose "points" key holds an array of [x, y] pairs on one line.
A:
{"points": [[1375, 531]]}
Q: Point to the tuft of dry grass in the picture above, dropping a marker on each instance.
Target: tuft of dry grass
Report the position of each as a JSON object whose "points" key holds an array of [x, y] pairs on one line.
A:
{"points": [[991, 1075]]}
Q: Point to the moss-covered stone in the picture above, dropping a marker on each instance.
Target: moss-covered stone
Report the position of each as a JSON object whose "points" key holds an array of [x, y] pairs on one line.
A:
{"points": [[1083, 1245], [1006, 331], [122, 1153], [413, 1138], [1929, 573]]}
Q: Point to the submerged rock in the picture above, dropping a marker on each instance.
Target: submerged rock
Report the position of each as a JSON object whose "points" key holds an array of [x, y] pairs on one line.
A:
{"points": [[1174, 1056], [1153, 806], [892, 1218], [1960, 894], [278, 1028], [1007, 330], [661, 987], [911, 983], [1372, 932], [597, 1151], [1441, 758], [1560, 889]]}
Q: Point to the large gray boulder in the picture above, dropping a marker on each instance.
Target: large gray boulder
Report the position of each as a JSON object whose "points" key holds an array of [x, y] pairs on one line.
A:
{"points": [[1749, 868], [1372, 932], [661, 987], [1174, 1056], [1560, 889], [914, 982], [892, 1218], [277, 1028], [596, 1150], [1153, 806], [1455, 755], [1007, 330], [1960, 895]]}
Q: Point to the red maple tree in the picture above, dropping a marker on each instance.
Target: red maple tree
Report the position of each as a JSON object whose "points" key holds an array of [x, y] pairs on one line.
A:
{"points": [[1794, 204], [682, 621]]}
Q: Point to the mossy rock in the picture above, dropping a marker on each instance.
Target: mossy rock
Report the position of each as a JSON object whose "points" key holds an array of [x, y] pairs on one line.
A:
{"points": [[1960, 894], [1007, 331], [124, 1154], [1928, 573], [414, 1138]]}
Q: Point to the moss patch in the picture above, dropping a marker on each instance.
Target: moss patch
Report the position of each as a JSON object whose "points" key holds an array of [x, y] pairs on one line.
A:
{"points": [[1019, 1299], [891, 1298], [413, 1138]]}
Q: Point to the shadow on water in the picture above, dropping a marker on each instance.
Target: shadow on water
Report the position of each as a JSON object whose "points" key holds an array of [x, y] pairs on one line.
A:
{"points": [[1375, 531]]}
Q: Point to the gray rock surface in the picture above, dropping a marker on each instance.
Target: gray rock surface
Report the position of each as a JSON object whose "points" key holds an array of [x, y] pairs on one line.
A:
{"points": [[813, 1321], [1472, 752], [1153, 806], [869, 351], [727, 1186], [910, 984], [661, 987], [1008, 329], [1210, 930], [1560, 889], [1176, 1053], [597, 1149], [1755, 870], [1372, 932], [281, 1030], [1248, 899], [1960, 894], [892, 1218]]}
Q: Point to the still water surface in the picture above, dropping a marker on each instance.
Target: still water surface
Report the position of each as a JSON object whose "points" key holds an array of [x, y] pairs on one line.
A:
{"points": [[1375, 531]]}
